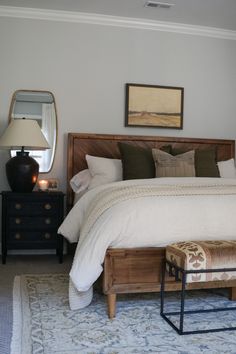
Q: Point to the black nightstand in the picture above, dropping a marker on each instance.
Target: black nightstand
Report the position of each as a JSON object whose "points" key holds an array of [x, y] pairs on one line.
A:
{"points": [[31, 220]]}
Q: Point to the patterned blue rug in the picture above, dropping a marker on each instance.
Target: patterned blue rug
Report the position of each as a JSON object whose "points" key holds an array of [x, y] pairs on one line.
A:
{"points": [[43, 322]]}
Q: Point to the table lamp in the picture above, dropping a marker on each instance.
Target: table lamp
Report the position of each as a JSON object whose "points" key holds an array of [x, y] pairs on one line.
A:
{"points": [[22, 170]]}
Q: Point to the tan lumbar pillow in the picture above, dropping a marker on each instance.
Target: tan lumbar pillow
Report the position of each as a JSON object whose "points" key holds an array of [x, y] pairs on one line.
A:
{"points": [[174, 166]]}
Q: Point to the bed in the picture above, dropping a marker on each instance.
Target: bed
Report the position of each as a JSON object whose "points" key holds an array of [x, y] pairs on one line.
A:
{"points": [[137, 270]]}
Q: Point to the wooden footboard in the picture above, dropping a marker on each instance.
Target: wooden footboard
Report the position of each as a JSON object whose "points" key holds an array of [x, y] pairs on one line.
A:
{"points": [[132, 270], [138, 270]]}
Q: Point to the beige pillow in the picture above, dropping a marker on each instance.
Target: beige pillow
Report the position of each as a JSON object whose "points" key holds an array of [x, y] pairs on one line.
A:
{"points": [[174, 166]]}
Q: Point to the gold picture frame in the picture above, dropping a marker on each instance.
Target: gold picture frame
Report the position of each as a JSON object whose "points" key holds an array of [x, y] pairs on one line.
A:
{"points": [[154, 106]]}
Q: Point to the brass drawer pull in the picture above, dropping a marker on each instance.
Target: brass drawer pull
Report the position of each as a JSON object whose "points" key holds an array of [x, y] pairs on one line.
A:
{"points": [[47, 235], [47, 221], [47, 206], [18, 206], [17, 236], [17, 221]]}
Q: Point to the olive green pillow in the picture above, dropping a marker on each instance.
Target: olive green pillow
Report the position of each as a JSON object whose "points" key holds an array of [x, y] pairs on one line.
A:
{"points": [[205, 162], [137, 162]]}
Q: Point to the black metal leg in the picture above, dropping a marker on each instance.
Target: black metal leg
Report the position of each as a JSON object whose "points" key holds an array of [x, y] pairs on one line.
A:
{"points": [[163, 273], [181, 319]]}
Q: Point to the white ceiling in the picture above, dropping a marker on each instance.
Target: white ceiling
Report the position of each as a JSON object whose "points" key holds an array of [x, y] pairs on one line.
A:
{"points": [[212, 13]]}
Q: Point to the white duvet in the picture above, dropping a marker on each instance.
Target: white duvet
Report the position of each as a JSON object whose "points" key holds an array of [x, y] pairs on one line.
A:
{"points": [[144, 222]]}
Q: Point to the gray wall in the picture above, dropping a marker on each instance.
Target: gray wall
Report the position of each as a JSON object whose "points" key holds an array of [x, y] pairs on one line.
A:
{"points": [[86, 67]]}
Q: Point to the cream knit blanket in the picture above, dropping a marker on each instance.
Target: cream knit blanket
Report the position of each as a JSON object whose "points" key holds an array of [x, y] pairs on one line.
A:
{"points": [[114, 195]]}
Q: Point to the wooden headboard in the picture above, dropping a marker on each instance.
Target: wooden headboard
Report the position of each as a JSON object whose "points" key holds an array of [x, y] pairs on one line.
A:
{"points": [[105, 145]]}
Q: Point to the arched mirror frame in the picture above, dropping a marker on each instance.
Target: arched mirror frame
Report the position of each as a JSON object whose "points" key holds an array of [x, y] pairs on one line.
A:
{"points": [[56, 123]]}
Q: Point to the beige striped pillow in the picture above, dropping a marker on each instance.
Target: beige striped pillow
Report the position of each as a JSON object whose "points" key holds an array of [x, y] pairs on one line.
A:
{"points": [[174, 166]]}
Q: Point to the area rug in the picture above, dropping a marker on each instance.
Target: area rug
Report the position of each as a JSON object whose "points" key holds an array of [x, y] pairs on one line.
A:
{"points": [[44, 324]]}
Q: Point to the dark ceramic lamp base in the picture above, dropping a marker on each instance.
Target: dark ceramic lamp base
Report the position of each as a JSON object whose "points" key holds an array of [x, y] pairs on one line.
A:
{"points": [[22, 172]]}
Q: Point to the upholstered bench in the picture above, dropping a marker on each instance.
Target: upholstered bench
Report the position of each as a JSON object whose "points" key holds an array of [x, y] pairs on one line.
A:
{"points": [[198, 261]]}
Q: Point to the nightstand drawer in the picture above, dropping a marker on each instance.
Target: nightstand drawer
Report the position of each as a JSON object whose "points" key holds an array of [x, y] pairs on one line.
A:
{"points": [[38, 222], [32, 237], [20, 207]]}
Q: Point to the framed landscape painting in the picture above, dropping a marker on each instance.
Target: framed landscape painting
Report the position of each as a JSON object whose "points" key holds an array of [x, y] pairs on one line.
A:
{"points": [[154, 106]]}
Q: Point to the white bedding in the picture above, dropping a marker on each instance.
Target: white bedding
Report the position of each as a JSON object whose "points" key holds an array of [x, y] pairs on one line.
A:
{"points": [[144, 222]]}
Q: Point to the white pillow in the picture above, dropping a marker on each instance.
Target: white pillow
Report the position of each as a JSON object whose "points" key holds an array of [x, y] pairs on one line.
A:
{"points": [[227, 168], [103, 170], [81, 181]]}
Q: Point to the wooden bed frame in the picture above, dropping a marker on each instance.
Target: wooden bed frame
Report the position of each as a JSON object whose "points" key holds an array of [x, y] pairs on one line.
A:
{"points": [[137, 270]]}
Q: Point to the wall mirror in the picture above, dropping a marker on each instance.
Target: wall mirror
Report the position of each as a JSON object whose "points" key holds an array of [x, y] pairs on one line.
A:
{"points": [[38, 105]]}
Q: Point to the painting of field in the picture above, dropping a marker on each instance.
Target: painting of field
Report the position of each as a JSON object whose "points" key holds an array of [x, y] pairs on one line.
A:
{"points": [[156, 106]]}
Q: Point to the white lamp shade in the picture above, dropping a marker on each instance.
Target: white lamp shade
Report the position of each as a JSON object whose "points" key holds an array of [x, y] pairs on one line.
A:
{"points": [[24, 133]]}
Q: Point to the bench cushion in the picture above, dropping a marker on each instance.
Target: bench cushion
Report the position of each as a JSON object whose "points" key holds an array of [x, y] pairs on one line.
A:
{"points": [[196, 255]]}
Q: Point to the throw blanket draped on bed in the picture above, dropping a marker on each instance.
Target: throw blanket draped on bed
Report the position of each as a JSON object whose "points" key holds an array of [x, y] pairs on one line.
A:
{"points": [[144, 213]]}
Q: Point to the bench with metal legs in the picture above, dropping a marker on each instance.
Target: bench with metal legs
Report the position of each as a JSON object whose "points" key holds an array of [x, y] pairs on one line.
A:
{"points": [[181, 274]]}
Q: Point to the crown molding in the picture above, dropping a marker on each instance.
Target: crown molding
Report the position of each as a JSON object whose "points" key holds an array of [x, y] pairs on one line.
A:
{"points": [[116, 21]]}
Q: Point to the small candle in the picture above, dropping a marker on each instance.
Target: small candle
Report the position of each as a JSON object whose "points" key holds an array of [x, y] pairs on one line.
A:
{"points": [[43, 184]]}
